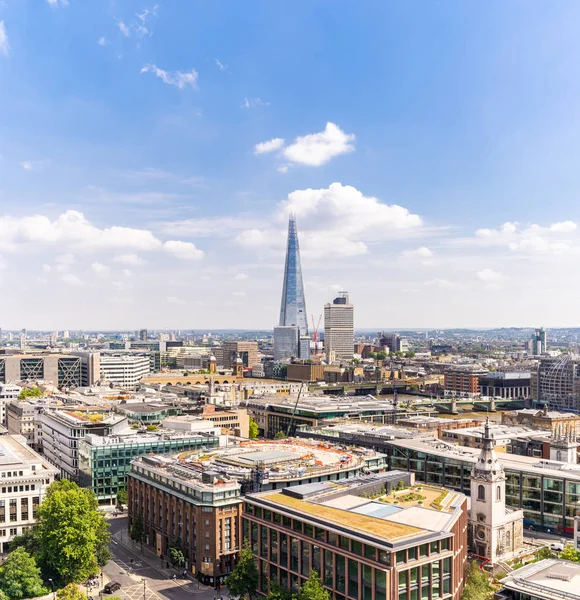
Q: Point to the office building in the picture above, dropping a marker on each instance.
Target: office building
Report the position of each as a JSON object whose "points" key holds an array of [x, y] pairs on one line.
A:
{"points": [[62, 370], [505, 385], [143, 335], [124, 370], [339, 329], [464, 384], [63, 429], [20, 419], [392, 342], [90, 367], [361, 548], [286, 343], [538, 344], [104, 461], [247, 351], [556, 382], [293, 305], [24, 477], [548, 579]]}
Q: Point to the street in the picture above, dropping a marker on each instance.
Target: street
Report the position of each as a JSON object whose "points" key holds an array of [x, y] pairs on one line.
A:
{"points": [[146, 577]]}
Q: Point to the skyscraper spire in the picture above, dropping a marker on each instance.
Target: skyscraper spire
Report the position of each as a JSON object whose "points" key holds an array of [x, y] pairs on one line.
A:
{"points": [[293, 305]]}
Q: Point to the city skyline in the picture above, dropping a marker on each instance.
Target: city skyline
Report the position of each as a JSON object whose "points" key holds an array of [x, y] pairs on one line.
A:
{"points": [[149, 162]]}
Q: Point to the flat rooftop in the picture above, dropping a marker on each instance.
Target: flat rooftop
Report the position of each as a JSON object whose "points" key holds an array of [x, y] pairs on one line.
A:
{"points": [[501, 432], [551, 579]]}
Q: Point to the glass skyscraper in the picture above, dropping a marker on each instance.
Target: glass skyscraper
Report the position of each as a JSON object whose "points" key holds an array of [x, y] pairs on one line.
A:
{"points": [[293, 306]]}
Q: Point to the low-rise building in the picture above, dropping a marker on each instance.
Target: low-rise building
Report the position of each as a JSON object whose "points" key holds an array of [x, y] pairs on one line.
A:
{"points": [[462, 383], [20, 419], [147, 413], [24, 477], [505, 385], [104, 461], [63, 429], [550, 420], [362, 548], [125, 370]]}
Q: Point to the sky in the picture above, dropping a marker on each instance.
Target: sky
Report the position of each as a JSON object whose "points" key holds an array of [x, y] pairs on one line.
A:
{"points": [[150, 154]]}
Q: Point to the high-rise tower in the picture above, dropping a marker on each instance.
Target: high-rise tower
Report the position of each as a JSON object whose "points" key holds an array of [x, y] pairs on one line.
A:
{"points": [[292, 332]]}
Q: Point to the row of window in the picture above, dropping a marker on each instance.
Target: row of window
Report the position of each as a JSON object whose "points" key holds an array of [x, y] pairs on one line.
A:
{"points": [[18, 488]]}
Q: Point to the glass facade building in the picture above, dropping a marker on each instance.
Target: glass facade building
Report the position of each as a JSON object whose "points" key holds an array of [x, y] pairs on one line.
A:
{"points": [[105, 462]]}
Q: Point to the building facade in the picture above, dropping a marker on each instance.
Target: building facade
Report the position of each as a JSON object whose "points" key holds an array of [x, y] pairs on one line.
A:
{"points": [[339, 328], [505, 385], [293, 305], [556, 382], [461, 383], [362, 549], [24, 477], [202, 510], [61, 369], [247, 351], [124, 370]]}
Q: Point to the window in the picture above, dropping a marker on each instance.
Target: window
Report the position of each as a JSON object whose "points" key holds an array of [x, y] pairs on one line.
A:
{"points": [[481, 493], [498, 493]]}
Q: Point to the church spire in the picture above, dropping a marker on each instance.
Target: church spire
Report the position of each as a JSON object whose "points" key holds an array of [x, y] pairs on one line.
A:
{"points": [[487, 466]]}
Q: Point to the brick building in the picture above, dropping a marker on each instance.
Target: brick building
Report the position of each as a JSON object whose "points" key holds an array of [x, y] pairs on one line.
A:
{"points": [[461, 383]]}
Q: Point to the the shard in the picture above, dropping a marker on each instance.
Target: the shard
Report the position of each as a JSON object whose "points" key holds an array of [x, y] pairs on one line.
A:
{"points": [[291, 335]]}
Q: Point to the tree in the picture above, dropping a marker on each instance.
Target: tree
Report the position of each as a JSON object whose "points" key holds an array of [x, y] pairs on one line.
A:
{"points": [[477, 584], [20, 577], [277, 592], [70, 592], [280, 435], [71, 529], [381, 355], [176, 556], [253, 432], [570, 554], [410, 354], [103, 553], [545, 552], [29, 540], [312, 589], [122, 498], [399, 353], [243, 580], [33, 392], [137, 530]]}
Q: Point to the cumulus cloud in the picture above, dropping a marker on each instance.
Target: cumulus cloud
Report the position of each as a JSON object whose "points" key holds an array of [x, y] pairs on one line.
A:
{"points": [[102, 41], [269, 146], [4, 45], [439, 283], [241, 277], [183, 250], [66, 259], [283, 168], [176, 78], [55, 3], [125, 30], [490, 276], [129, 259], [174, 300], [254, 103], [100, 269], [423, 253], [26, 165], [70, 279]]}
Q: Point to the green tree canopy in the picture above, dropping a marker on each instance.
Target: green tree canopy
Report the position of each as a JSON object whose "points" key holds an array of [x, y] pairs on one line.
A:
{"points": [[70, 592], [20, 577], [410, 354], [253, 434], [277, 592], [312, 589], [176, 556], [71, 529], [477, 584], [280, 436], [122, 497], [243, 580], [570, 554], [137, 530], [29, 540], [33, 392]]}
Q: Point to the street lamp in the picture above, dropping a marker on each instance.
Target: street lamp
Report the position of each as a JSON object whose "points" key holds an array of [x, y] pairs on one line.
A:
{"points": [[52, 585], [144, 587]]}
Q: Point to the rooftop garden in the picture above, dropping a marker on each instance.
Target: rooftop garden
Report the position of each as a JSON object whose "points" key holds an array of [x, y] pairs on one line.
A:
{"points": [[419, 495]]}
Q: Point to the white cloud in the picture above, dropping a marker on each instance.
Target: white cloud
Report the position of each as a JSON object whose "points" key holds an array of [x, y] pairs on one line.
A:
{"points": [[240, 294], [46, 268], [102, 41], [124, 28], [177, 78], [66, 259], [439, 283], [26, 165], [4, 45], [70, 279], [563, 227], [269, 146], [174, 300], [283, 169], [129, 259], [420, 253], [241, 277], [184, 250], [490, 276], [127, 273], [100, 269], [56, 3], [316, 149], [220, 65], [253, 103]]}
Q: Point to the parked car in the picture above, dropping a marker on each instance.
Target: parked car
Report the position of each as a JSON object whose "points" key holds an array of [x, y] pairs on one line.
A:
{"points": [[557, 546], [112, 586]]}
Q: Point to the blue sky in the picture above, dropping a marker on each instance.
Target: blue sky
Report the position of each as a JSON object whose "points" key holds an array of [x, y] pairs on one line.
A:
{"points": [[150, 154]]}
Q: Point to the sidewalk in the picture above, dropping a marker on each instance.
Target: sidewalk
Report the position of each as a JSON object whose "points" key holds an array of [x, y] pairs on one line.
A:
{"points": [[158, 563]]}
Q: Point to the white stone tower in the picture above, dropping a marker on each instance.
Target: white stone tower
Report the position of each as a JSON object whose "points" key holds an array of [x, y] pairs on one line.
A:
{"points": [[494, 531], [563, 446]]}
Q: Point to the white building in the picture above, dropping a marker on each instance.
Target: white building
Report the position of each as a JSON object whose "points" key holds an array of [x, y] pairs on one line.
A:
{"points": [[8, 392], [125, 370], [339, 328], [62, 430], [24, 477], [495, 531]]}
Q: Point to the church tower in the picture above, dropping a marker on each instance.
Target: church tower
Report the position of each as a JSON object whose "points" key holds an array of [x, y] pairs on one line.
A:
{"points": [[238, 367], [212, 364], [494, 532], [564, 447]]}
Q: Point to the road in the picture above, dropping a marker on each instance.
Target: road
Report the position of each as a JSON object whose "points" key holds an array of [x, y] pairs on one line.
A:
{"points": [[146, 578]]}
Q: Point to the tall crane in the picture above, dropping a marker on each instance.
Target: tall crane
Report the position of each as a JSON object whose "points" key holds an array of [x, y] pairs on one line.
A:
{"points": [[315, 332]]}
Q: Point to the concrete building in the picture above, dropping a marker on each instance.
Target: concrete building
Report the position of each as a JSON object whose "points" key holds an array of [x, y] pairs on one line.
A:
{"points": [[90, 367], [20, 419], [63, 429], [361, 548], [464, 384], [24, 477], [505, 385], [549, 420], [8, 393], [392, 342], [556, 381], [62, 370], [305, 372], [495, 531], [104, 461], [538, 344], [339, 328], [124, 370], [286, 342], [247, 351]]}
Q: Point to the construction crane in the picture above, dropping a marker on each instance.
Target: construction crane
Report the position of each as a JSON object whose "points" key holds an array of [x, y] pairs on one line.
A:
{"points": [[315, 332]]}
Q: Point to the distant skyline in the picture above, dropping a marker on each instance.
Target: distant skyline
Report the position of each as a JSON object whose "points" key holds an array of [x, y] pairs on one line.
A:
{"points": [[150, 153]]}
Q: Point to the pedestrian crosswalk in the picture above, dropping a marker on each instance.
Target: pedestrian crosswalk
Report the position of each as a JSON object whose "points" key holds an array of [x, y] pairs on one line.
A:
{"points": [[138, 592]]}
